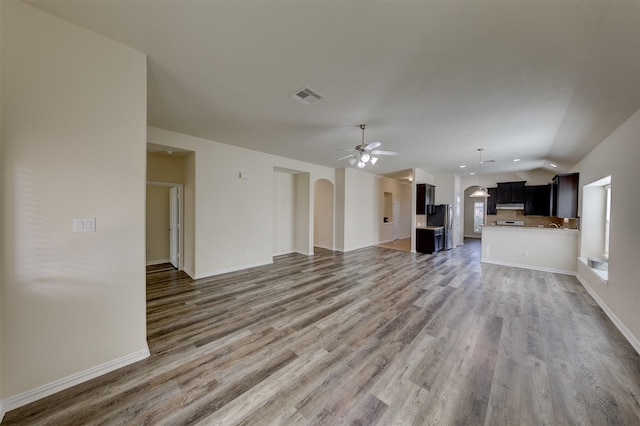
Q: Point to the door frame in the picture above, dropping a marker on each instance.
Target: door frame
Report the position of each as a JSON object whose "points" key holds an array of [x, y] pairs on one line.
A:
{"points": [[180, 223], [396, 213]]}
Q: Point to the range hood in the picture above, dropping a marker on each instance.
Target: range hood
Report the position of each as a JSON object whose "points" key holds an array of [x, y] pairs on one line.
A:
{"points": [[510, 206]]}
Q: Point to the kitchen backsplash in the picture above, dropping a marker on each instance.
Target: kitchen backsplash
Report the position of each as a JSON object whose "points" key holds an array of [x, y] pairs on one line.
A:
{"points": [[531, 220]]}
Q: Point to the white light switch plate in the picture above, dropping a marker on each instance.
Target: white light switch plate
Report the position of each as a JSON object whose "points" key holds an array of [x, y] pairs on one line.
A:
{"points": [[84, 225]]}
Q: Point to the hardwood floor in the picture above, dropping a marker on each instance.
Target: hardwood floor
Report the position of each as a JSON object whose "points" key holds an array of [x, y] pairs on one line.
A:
{"points": [[403, 244], [373, 336]]}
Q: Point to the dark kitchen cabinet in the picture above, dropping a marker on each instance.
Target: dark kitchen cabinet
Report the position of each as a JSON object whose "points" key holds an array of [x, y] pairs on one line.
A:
{"points": [[425, 196], [564, 195], [536, 202], [511, 192], [492, 201], [421, 193], [429, 240]]}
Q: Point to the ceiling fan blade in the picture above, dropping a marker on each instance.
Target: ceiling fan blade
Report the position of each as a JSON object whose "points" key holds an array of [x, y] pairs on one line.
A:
{"points": [[378, 152], [372, 145], [345, 157]]}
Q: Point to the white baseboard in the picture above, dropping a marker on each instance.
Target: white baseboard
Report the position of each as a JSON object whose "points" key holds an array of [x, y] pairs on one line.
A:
{"points": [[157, 262], [304, 253], [614, 319], [2, 411], [532, 267], [43, 391], [232, 269]]}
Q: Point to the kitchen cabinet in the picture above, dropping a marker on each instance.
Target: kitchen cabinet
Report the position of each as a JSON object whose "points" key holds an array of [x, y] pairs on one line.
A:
{"points": [[425, 196], [429, 240], [492, 201], [421, 193], [511, 192], [536, 202], [564, 195]]}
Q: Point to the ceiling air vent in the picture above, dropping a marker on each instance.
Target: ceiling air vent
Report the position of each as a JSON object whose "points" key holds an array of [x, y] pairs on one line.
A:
{"points": [[305, 96]]}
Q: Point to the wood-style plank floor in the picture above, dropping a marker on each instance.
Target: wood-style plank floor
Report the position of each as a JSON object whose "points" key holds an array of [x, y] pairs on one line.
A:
{"points": [[403, 244], [373, 336]]}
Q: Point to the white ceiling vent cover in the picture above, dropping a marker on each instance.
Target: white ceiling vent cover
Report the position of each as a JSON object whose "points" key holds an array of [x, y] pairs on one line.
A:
{"points": [[306, 96]]}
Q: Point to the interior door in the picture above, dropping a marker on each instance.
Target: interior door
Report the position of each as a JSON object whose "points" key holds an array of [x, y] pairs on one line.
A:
{"points": [[174, 226], [396, 219]]}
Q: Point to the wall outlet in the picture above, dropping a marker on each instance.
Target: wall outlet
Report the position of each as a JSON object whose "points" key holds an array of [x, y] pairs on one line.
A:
{"points": [[525, 253]]}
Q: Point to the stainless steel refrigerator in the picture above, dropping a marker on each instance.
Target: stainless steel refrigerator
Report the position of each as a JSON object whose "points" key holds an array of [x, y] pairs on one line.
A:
{"points": [[442, 215]]}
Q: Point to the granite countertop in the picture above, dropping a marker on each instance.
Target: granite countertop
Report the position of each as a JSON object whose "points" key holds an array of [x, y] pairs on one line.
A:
{"points": [[430, 228], [531, 228]]}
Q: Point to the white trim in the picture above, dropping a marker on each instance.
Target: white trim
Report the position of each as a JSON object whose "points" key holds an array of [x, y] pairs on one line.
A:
{"points": [[601, 276], [283, 253], [2, 412], [232, 269], [157, 262], [304, 253], [72, 380], [612, 316], [190, 273], [533, 267]]}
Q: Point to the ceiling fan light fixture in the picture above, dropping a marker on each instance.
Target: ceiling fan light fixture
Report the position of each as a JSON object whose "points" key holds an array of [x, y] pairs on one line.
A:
{"points": [[361, 164], [365, 157], [373, 160], [352, 161]]}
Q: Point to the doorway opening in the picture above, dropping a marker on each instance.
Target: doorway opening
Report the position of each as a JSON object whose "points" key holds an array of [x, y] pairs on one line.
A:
{"points": [[164, 239]]}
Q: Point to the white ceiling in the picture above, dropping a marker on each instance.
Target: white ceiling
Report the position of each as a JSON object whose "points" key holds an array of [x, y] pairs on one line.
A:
{"points": [[540, 81]]}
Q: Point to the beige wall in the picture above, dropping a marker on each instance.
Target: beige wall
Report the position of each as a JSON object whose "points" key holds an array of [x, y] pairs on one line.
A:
{"points": [[232, 218], [283, 213], [165, 168], [74, 143], [157, 229], [402, 192], [323, 217], [618, 156]]}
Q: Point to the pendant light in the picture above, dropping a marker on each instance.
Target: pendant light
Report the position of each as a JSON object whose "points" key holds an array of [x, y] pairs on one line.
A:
{"points": [[480, 192]]}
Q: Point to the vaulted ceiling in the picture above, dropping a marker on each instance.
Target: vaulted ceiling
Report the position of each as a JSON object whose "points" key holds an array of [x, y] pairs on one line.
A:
{"points": [[540, 81]]}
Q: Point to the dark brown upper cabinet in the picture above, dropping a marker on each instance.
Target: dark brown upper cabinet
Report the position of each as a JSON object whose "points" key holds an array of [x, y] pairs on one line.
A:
{"points": [[537, 202], [564, 195], [492, 201], [511, 192], [425, 196]]}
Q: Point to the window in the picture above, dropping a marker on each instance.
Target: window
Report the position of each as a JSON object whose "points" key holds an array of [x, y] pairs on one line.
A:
{"points": [[478, 216], [607, 220]]}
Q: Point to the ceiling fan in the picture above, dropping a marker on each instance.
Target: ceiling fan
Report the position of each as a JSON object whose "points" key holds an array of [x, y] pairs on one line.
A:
{"points": [[365, 152]]}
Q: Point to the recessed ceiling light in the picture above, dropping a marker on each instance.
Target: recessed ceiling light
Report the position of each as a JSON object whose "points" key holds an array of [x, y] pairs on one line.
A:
{"points": [[552, 165], [472, 173], [463, 166], [516, 159]]}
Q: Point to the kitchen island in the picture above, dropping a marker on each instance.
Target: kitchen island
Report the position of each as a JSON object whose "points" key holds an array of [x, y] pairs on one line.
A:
{"points": [[544, 249]]}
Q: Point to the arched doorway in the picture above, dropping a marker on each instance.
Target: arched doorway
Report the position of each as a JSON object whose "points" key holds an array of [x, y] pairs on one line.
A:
{"points": [[323, 213], [474, 214]]}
